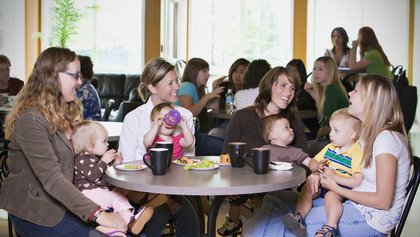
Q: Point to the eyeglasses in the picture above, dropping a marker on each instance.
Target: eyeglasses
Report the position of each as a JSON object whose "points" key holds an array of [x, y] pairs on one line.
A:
{"points": [[76, 76]]}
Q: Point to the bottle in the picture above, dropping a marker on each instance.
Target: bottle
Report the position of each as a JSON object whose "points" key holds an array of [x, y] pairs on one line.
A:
{"points": [[229, 107], [171, 119]]}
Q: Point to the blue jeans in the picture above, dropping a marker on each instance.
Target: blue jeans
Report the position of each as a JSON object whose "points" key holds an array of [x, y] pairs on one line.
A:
{"points": [[70, 226], [267, 221], [207, 145]]}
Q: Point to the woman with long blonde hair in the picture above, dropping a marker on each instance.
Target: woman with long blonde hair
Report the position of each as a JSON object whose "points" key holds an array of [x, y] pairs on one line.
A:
{"points": [[39, 193], [373, 208]]}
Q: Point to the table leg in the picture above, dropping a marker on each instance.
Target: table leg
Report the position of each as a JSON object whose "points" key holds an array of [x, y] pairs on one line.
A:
{"points": [[214, 211]]}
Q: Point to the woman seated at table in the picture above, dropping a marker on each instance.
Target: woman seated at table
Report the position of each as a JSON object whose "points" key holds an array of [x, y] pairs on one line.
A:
{"points": [[159, 84], [373, 58], [277, 95], [9, 85], [340, 51], [253, 75]]}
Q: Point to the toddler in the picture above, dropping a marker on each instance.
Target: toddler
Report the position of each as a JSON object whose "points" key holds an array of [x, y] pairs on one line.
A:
{"points": [[90, 145]]}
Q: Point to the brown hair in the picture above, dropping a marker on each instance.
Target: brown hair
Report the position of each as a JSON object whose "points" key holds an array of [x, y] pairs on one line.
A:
{"points": [[5, 59], [267, 124], [85, 135], [238, 62], [191, 70], [368, 41], [43, 91], [86, 67], [156, 110]]}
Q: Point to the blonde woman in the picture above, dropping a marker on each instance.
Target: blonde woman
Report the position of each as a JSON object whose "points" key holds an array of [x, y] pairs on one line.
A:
{"points": [[373, 208]]}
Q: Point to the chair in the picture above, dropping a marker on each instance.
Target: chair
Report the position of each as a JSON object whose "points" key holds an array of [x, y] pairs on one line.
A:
{"points": [[125, 108], [108, 108], [4, 171], [411, 193]]}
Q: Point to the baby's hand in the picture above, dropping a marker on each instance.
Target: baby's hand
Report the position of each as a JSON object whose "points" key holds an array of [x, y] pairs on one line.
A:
{"points": [[323, 165], [118, 159], [183, 121], [329, 171], [109, 156]]}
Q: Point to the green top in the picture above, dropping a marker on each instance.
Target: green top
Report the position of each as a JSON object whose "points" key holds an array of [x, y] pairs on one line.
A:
{"points": [[377, 64], [335, 99]]}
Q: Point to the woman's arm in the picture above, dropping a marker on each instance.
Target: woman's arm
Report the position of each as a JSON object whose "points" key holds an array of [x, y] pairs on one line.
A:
{"points": [[186, 101], [188, 139], [386, 172], [350, 181], [353, 65]]}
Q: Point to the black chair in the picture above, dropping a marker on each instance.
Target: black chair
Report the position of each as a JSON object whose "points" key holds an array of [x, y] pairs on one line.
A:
{"points": [[125, 108], [411, 193], [4, 171], [108, 109]]}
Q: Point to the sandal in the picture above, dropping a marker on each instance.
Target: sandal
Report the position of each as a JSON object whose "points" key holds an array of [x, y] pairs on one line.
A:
{"points": [[327, 231], [295, 223]]}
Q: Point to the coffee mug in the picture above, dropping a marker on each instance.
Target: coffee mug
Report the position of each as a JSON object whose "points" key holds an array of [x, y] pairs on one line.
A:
{"points": [[158, 160], [169, 146], [260, 160], [237, 154]]}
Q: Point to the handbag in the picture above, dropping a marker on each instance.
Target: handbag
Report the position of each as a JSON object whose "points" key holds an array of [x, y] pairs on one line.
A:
{"points": [[399, 75]]}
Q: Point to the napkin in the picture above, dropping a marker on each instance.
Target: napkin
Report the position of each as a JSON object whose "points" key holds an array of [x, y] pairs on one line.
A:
{"points": [[278, 165]]}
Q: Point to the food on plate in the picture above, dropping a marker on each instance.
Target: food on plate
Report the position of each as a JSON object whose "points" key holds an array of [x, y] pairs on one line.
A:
{"points": [[224, 159], [132, 166], [185, 160], [204, 164]]}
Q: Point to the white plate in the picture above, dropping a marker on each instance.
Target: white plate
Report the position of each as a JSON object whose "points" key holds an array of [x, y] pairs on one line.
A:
{"points": [[216, 166], [121, 167], [195, 161], [224, 164], [280, 165]]}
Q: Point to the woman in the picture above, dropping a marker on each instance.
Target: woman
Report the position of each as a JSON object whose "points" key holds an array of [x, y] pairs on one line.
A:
{"points": [[8, 84], [159, 84], [277, 94], [373, 59], [87, 93], [253, 75], [340, 51], [39, 193], [192, 95], [373, 208]]}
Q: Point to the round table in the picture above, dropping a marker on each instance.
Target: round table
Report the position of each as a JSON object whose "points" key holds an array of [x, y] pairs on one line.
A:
{"points": [[220, 182]]}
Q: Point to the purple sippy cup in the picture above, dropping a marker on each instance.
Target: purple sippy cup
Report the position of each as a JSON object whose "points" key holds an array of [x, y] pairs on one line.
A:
{"points": [[172, 118]]}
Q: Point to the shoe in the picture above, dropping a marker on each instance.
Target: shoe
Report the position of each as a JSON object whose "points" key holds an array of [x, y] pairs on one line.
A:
{"points": [[156, 200], [140, 219], [247, 208], [230, 228], [294, 222]]}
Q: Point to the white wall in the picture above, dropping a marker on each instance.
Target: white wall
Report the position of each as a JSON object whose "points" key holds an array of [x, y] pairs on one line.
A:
{"points": [[416, 62], [12, 35]]}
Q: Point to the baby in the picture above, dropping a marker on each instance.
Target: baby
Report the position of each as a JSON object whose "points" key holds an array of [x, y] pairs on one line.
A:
{"points": [[90, 144]]}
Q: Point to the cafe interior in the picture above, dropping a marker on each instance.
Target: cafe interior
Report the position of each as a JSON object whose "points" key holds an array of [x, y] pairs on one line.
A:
{"points": [[122, 36]]}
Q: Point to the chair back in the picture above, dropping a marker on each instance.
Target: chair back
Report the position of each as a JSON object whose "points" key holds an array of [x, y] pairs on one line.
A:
{"points": [[4, 170], [125, 108], [108, 108], [411, 194]]}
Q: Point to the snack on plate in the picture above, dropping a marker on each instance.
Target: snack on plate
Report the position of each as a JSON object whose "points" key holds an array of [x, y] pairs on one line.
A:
{"points": [[224, 159], [185, 160], [132, 166]]}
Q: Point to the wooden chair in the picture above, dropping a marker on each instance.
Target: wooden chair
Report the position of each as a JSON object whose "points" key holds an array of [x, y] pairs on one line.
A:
{"points": [[411, 193]]}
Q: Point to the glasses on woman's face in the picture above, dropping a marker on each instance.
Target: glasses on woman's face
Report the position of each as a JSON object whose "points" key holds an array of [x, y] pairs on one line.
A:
{"points": [[76, 75]]}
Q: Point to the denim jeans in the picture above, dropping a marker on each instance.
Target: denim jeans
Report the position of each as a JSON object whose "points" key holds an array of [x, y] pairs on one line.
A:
{"points": [[267, 221], [70, 226]]}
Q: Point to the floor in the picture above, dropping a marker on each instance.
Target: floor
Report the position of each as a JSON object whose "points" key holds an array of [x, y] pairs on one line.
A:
{"points": [[410, 229]]}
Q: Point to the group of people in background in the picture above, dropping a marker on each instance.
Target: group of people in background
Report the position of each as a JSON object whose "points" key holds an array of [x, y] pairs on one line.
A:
{"points": [[47, 120]]}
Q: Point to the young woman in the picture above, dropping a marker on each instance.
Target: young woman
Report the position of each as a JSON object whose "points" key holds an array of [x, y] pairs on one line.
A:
{"points": [[159, 84], [373, 59], [277, 95], [340, 51], [39, 193], [373, 208]]}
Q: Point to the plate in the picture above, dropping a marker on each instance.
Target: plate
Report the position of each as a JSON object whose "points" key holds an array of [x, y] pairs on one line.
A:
{"points": [[216, 166], [195, 161], [121, 167], [224, 164], [343, 69], [278, 165]]}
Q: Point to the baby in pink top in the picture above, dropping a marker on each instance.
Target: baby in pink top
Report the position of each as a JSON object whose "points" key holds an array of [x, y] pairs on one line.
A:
{"points": [[180, 135]]}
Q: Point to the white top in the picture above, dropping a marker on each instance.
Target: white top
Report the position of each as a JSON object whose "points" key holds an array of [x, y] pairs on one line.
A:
{"points": [[245, 98], [385, 220], [137, 123], [344, 61]]}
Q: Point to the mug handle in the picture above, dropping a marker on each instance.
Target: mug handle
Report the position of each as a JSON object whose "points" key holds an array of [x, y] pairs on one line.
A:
{"points": [[248, 161], [145, 160]]}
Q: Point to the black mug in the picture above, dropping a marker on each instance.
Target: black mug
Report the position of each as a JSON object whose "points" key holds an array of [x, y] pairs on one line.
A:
{"points": [[237, 154], [169, 146], [158, 160], [260, 160]]}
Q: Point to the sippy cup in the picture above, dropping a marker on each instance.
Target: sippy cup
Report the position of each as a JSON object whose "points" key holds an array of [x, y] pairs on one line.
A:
{"points": [[172, 118]]}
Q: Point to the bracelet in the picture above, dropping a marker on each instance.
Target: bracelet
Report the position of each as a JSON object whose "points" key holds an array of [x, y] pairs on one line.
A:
{"points": [[315, 171], [95, 215]]}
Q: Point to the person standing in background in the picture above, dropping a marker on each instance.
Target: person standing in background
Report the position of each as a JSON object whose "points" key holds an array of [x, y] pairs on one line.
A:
{"points": [[340, 51], [373, 59], [8, 84], [87, 93]]}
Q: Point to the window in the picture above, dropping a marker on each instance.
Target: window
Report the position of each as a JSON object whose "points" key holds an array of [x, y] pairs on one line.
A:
{"points": [[221, 31], [112, 35]]}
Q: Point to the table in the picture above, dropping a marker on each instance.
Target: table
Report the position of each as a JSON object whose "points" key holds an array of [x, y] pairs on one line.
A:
{"points": [[114, 130], [216, 113], [220, 183]]}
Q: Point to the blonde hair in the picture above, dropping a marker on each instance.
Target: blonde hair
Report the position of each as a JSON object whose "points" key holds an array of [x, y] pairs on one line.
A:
{"points": [[154, 71], [343, 114], [43, 91], [267, 124], [382, 112], [85, 135]]}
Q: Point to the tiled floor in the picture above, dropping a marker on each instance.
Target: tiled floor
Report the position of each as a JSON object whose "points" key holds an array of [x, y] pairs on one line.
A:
{"points": [[410, 229]]}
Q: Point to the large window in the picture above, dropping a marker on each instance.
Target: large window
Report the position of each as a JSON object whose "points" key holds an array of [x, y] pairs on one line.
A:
{"points": [[221, 31], [112, 34]]}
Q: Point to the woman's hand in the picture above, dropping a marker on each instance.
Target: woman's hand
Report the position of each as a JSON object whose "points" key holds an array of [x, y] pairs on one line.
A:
{"points": [[308, 87], [111, 220], [216, 92], [328, 182], [217, 82], [312, 183], [354, 43]]}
